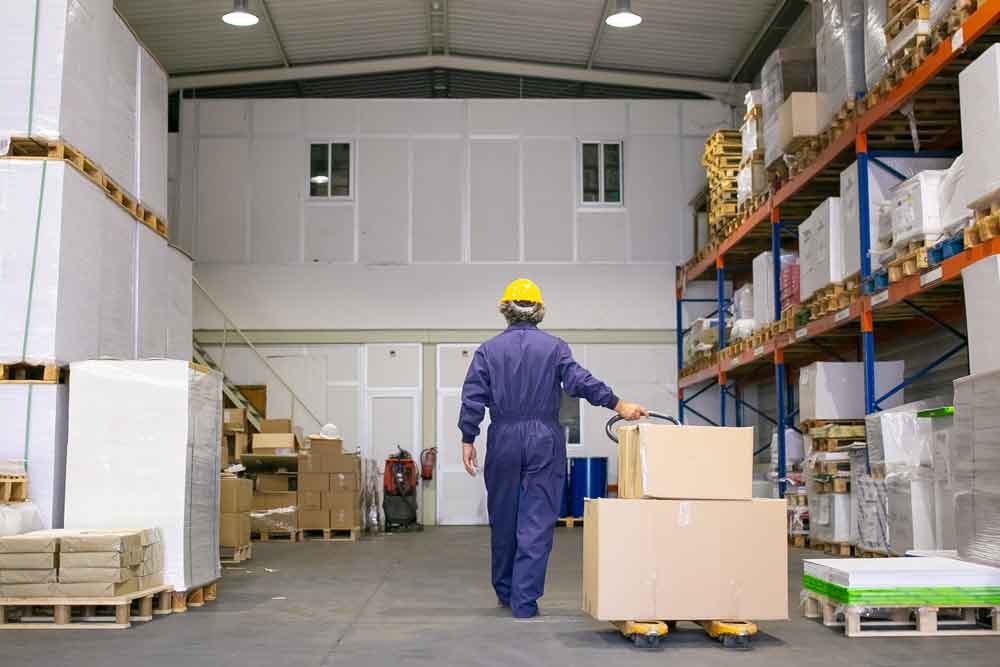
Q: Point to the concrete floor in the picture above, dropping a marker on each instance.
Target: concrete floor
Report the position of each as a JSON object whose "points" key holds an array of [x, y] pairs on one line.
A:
{"points": [[425, 599]]}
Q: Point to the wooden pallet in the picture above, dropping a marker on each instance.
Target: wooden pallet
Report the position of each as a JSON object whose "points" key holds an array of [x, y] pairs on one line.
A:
{"points": [[330, 535], [13, 488], [114, 613], [194, 597], [833, 298], [235, 555], [985, 226], [799, 541], [797, 500], [22, 373], [909, 261], [847, 429], [570, 521], [902, 14], [868, 553], [833, 548], [833, 485], [906, 620], [275, 536], [37, 148]]}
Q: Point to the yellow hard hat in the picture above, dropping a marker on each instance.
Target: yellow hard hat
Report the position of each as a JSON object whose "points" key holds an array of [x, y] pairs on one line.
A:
{"points": [[522, 289]]}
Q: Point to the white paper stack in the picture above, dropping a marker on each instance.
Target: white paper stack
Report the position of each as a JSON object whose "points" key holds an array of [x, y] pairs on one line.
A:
{"points": [[899, 573], [144, 450], [821, 247], [880, 184], [840, 55], [981, 282], [831, 390], [876, 58], [152, 143], [979, 93], [164, 298], [80, 303]]}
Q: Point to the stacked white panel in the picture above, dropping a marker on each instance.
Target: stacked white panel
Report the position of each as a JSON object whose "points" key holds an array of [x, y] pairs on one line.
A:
{"points": [[840, 55], [144, 450], [152, 143], [829, 390], [979, 92], [163, 321], [120, 114], [820, 245]]}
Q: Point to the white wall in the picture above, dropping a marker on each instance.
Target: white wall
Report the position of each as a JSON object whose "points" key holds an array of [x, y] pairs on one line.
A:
{"points": [[452, 198]]}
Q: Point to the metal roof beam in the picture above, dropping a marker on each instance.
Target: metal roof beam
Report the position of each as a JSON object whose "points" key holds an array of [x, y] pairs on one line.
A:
{"points": [[274, 33], [595, 43], [782, 18], [724, 91]]}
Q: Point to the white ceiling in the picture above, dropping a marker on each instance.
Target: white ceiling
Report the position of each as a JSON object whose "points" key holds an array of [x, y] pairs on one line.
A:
{"points": [[696, 38]]}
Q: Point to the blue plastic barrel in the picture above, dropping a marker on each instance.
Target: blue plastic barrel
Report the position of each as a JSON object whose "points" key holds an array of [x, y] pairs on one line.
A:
{"points": [[588, 478]]}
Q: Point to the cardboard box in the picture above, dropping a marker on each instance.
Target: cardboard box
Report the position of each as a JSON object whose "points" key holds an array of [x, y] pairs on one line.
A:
{"points": [[314, 519], [314, 481], [235, 495], [276, 426], [345, 482], [832, 390], [323, 455], [275, 483], [345, 510], [694, 462], [234, 529], [279, 520], [311, 500], [274, 443], [685, 559], [234, 420], [269, 501], [332, 445]]}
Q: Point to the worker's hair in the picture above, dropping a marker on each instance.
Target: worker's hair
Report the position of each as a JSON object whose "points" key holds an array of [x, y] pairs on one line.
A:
{"points": [[522, 311]]}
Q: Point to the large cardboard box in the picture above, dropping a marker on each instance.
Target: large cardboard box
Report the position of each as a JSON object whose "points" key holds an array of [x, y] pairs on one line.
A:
{"points": [[323, 455], [311, 500], [274, 443], [685, 559], [276, 426], [345, 510], [234, 530], [833, 390], [694, 462], [270, 501], [345, 482], [234, 420], [314, 481], [235, 495], [275, 482], [314, 519]]}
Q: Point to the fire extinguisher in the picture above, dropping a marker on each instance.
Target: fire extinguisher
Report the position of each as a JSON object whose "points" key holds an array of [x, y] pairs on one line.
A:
{"points": [[428, 459]]}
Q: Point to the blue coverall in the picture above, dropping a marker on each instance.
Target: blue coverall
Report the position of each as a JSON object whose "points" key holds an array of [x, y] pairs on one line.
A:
{"points": [[519, 375]]}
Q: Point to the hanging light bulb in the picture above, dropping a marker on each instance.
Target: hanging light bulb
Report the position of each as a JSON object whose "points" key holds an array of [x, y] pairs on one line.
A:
{"points": [[623, 16], [241, 15]]}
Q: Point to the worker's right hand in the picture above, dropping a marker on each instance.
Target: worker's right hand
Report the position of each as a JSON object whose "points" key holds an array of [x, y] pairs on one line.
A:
{"points": [[631, 411], [469, 458]]}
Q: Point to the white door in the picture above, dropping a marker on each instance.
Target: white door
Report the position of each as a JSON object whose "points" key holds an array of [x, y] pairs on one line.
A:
{"points": [[461, 499]]}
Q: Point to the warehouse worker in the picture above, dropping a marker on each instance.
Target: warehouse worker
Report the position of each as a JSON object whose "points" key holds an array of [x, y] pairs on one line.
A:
{"points": [[520, 375]]}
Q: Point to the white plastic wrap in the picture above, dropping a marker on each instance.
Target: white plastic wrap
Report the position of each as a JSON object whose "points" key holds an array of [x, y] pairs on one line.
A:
{"points": [[763, 285], [944, 495], [786, 71], [164, 299], [880, 184], [916, 210], [975, 467], [798, 118], [19, 518], [955, 195], [820, 245], [64, 49], [876, 58], [981, 284], [751, 136], [830, 517], [34, 432], [979, 96], [910, 503], [840, 55], [152, 144], [750, 181], [144, 450], [80, 303], [898, 438], [753, 98], [829, 390], [870, 511], [743, 303], [120, 113]]}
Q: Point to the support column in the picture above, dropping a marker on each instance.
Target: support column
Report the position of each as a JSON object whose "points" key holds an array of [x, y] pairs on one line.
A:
{"points": [[722, 398], [776, 259], [779, 387], [679, 325]]}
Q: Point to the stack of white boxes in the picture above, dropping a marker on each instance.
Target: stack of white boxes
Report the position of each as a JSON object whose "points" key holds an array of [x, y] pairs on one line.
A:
{"points": [[979, 92], [82, 279], [752, 178], [840, 54], [821, 247], [786, 73]]}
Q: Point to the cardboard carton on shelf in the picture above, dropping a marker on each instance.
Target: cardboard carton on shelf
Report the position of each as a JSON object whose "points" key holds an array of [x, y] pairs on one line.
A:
{"points": [[311, 500], [276, 426], [276, 482], [318, 482], [693, 462], [269, 501], [345, 510], [274, 443], [234, 529], [234, 420], [235, 495], [685, 559], [314, 519]]}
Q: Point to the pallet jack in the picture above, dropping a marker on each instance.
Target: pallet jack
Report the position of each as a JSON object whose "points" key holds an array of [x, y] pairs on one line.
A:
{"points": [[649, 634]]}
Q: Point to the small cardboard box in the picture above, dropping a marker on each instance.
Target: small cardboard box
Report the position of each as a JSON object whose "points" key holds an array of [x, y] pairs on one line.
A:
{"points": [[234, 530], [312, 500], [345, 510], [270, 501], [344, 463], [275, 483], [691, 462], [685, 559], [235, 495], [314, 481], [333, 445], [314, 519], [321, 455], [274, 443], [345, 482], [276, 426], [234, 420]]}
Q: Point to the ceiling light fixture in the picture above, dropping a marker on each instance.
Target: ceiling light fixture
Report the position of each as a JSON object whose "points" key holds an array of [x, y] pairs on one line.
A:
{"points": [[320, 180], [623, 16], [241, 16]]}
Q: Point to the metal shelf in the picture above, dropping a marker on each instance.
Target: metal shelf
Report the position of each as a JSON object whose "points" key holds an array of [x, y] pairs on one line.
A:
{"points": [[934, 295]]}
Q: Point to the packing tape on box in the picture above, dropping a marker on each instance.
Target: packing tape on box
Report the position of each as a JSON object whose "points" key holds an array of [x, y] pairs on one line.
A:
{"points": [[684, 514]]}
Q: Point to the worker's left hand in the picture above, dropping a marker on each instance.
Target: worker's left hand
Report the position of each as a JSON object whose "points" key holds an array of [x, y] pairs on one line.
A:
{"points": [[469, 458], [631, 411]]}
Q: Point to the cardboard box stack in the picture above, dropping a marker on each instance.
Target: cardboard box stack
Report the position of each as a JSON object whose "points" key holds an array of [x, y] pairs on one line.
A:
{"points": [[721, 159], [786, 72], [81, 563], [275, 503], [235, 435], [235, 504], [329, 495], [674, 544]]}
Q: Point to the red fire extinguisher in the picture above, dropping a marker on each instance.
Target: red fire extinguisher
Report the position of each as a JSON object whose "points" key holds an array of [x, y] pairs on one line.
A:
{"points": [[428, 459]]}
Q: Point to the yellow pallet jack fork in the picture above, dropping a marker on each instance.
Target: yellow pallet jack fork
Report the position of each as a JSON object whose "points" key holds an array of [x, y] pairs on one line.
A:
{"points": [[649, 634]]}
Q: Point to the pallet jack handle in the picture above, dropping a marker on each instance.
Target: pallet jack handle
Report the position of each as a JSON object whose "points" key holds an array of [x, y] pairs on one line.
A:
{"points": [[609, 428]]}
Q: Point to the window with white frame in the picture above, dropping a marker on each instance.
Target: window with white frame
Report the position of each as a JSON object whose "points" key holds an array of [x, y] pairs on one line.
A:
{"points": [[601, 172], [330, 170]]}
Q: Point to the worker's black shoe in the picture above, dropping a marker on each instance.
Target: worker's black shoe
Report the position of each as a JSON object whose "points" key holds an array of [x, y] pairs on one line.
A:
{"points": [[501, 603]]}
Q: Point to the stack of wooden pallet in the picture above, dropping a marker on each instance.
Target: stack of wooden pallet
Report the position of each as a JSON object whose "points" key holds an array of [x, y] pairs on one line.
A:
{"points": [[721, 160]]}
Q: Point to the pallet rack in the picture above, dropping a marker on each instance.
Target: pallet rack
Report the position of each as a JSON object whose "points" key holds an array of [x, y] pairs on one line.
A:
{"points": [[933, 295]]}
